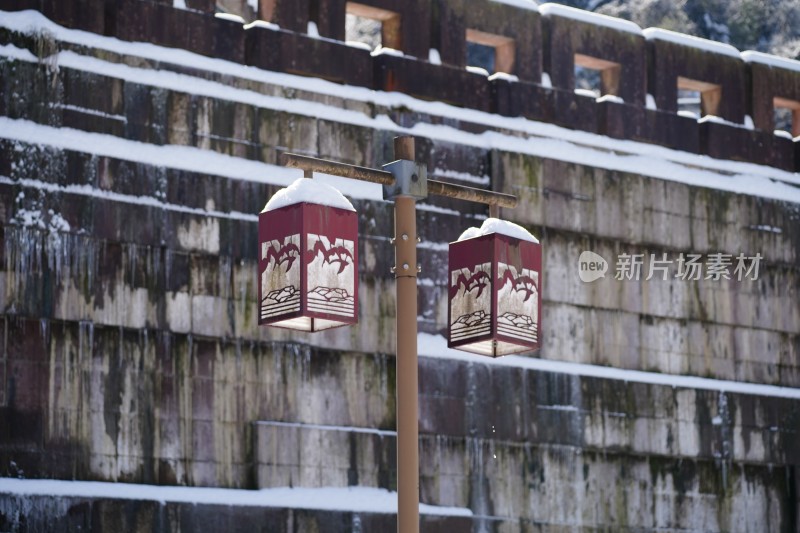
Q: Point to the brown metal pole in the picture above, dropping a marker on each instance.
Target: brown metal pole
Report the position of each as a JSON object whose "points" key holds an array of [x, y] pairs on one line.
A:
{"points": [[405, 232]]}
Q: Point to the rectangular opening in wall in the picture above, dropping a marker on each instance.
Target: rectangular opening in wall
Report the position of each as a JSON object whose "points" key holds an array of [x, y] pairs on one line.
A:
{"points": [[372, 26], [242, 8], [587, 81], [493, 53], [480, 56], [689, 103], [698, 98], [595, 76], [787, 117]]}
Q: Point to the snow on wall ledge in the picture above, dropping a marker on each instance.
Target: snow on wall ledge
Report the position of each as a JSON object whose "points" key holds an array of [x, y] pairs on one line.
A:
{"points": [[520, 96], [549, 10], [715, 47], [545, 140]]}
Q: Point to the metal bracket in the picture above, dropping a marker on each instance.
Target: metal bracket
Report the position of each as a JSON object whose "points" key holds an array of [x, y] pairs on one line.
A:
{"points": [[410, 179]]}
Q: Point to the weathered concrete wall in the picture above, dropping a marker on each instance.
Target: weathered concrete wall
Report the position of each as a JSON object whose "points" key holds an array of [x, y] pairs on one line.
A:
{"points": [[442, 25], [42, 514], [566, 37], [131, 351], [149, 406], [746, 331]]}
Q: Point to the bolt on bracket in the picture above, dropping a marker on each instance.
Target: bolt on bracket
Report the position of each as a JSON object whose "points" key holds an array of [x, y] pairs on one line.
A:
{"points": [[410, 179]]}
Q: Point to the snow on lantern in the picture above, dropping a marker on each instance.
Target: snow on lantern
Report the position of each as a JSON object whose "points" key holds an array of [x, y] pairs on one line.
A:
{"points": [[495, 283], [308, 235]]}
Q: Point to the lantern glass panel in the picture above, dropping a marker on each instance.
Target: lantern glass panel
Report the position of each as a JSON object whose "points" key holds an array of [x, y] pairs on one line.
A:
{"points": [[308, 261], [494, 294]]}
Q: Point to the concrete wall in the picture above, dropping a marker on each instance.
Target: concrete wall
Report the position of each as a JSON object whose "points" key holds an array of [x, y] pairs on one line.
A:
{"points": [[130, 349], [540, 43]]}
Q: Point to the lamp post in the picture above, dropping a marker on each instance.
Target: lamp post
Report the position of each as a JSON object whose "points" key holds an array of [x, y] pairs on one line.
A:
{"points": [[404, 182]]}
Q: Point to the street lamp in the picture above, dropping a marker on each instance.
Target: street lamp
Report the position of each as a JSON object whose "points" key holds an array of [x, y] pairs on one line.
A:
{"points": [[495, 274], [308, 235], [299, 212]]}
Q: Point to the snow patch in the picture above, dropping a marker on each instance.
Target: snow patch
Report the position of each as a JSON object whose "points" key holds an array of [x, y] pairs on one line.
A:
{"points": [[546, 83], [384, 51], [767, 228], [650, 102], [503, 227], [350, 429], [350, 499], [718, 120], [92, 192], [262, 24], [309, 191], [253, 5], [12, 52], [230, 16], [503, 76], [179, 4], [462, 176], [433, 57], [437, 209], [610, 98], [171, 156], [783, 133], [586, 92], [658, 34], [87, 111], [773, 61], [49, 220], [748, 123], [689, 114], [549, 10], [478, 70], [312, 30], [470, 233], [435, 346]]}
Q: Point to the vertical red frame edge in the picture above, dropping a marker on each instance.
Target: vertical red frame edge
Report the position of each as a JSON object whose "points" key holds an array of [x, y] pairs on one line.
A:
{"points": [[356, 242], [539, 316], [304, 263], [495, 289]]}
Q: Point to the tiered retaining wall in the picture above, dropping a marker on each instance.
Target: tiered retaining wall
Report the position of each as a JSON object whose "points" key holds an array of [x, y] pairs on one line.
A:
{"points": [[130, 349]]}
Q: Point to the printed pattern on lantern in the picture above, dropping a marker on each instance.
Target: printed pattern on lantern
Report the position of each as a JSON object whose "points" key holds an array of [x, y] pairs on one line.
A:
{"points": [[470, 302], [331, 275], [280, 280], [517, 302]]}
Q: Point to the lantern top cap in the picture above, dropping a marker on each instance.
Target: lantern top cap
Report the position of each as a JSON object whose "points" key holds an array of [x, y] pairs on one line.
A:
{"points": [[503, 227], [311, 191]]}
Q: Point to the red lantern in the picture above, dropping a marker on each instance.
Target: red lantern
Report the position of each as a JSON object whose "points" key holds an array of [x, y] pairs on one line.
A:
{"points": [[308, 259], [495, 284]]}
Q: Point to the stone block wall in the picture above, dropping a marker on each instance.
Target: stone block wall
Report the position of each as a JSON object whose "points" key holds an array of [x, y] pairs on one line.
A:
{"points": [[669, 60], [455, 18], [766, 83], [130, 350], [414, 16], [540, 44], [565, 37]]}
